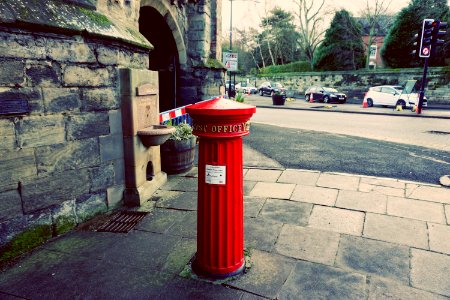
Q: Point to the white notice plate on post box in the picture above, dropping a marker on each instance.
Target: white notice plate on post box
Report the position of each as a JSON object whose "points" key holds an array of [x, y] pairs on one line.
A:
{"points": [[215, 174]]}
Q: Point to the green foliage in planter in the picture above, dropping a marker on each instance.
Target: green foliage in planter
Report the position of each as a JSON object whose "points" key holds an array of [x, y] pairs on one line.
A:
{"points": [[239, 97], [183, 131]]}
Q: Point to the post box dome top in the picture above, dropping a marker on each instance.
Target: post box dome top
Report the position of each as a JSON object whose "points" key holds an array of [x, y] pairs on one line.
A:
{"points": [[221, 107]]}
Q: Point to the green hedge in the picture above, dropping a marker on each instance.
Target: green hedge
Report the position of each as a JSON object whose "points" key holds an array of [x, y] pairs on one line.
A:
{"points": [[298, 66]]}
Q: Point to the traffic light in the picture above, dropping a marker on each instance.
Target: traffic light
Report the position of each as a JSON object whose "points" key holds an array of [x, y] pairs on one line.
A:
{"points": [[416, 43], [426, 38], [439, 31]]}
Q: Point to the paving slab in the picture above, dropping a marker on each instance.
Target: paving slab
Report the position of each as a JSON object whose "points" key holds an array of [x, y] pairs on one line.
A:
{"points": [[410, 187], [316, 281], [439, 238], [182, 184], [285, 211], [261, 233], [384, 190], [337, 181], [396, 230], [272, 190], [142, 249], [430, 271], [176, 200], [337, 220], [447, 213], [186, 226], [374, 257], [54, 275], [387, 182], [299, 177], [308, 244], [182, 288], [160, 220], [316, 195], [248, 296], [370, 202], [252, 206], [84, 243], [262, 175], [248, 187], [416, 209], [267, 274], [430, 193], [180, 255], [384, 289]]}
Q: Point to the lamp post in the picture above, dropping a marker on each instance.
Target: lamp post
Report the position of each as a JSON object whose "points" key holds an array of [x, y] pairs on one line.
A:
{"points": [[230, 93]]}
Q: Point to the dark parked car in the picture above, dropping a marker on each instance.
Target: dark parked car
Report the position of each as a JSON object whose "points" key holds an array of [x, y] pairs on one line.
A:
{"points": [[267, 88], [324, 94]]}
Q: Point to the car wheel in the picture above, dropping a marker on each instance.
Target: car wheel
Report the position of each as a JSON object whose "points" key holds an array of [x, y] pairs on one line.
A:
{"points": [[326, 99], [369, 102], [402, 103], [261, 93]]}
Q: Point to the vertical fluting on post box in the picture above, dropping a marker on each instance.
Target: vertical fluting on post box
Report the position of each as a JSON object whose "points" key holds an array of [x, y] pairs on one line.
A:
{"points": [[220, 215], [220, 125]]}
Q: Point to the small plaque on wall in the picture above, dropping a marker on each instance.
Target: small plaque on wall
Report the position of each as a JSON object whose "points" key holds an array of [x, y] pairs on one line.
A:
{"points": [[14, 106]]}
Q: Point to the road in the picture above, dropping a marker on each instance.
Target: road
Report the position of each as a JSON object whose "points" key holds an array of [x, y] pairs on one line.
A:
{"points": [[426, 132], [385, 146]]}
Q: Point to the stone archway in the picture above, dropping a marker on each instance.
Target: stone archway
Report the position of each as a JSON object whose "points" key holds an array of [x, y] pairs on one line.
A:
{"points": [[157, 24]]}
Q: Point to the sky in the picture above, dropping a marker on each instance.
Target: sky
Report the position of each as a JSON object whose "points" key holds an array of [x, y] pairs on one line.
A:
{"points": [[248, 13]]}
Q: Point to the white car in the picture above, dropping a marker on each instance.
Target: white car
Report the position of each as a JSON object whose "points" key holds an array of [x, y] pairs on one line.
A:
{"points": [[244, 87], [392, 95]]}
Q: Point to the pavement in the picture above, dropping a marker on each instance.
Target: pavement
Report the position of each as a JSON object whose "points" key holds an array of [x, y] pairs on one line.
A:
{"points": [[432, 111], [310, 234]]}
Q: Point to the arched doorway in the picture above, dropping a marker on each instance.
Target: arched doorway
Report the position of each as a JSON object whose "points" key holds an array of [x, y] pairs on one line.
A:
{"points": [[164, 57]]}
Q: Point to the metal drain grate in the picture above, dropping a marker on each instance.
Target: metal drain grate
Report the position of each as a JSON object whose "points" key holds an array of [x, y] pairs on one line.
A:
{"points": [[123, 221], [438, 132]]}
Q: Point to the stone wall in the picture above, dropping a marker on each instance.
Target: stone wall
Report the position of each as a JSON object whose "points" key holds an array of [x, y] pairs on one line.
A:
{"points": [[356, 84], [204, 73], [62, 162]]}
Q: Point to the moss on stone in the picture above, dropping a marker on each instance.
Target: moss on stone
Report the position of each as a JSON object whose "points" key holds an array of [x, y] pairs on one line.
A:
{"points": [[24, 242], [214, 64], [95, 17], [64, 224]]}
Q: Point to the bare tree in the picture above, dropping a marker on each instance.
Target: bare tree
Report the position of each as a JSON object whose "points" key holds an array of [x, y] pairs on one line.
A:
{"points": [[268, 38], [250, 43], [311, 16], [372, 12]]}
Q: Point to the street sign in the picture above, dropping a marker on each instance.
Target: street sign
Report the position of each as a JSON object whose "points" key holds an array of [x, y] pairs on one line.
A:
{"points": [[230, 60]]}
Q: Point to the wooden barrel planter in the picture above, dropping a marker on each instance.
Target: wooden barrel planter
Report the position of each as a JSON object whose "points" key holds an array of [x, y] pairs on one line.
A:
{"points": [[278, 99], [178, 156]]}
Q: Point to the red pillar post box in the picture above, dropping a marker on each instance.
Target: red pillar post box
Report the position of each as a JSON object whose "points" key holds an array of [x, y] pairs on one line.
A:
{"points": [[220, 125]]}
